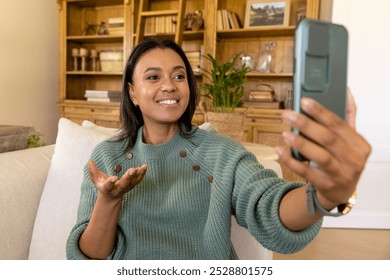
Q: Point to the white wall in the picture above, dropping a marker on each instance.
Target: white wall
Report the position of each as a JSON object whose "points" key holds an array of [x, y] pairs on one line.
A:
{"points": [[29, 65], [369, 75]]}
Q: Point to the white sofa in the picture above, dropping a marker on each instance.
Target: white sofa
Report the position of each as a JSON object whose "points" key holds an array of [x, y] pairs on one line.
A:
{"points": [[40, 192]]}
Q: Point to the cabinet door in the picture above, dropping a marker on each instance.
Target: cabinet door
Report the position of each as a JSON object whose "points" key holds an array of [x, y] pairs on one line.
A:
{"points": [[103, 115]]}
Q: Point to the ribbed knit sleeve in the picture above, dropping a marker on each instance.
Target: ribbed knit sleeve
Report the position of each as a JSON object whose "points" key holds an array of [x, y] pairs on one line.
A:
{"points": [[103, 155], [256, 198]]}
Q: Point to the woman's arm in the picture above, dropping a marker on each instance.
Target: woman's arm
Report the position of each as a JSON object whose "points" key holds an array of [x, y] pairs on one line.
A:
{"points": [[340, 154], [98, 239]]}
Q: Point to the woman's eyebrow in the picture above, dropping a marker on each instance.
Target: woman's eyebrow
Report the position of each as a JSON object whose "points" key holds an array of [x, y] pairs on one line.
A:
{"points": [[179, 67], [160, 69], [152, 69]]}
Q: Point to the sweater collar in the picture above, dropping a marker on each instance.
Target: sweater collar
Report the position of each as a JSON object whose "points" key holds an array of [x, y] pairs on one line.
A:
{"points": [[154, 151]]}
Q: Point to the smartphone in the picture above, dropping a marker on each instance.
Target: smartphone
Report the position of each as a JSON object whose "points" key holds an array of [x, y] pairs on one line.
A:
{"points": [[320, 67]]}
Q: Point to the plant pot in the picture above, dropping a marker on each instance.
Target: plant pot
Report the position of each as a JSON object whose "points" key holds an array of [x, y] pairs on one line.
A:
{"points": [[229, 124]]}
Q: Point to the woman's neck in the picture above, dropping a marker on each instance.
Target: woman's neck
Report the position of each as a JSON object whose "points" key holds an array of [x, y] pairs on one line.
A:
{"points": [[159, 134]]}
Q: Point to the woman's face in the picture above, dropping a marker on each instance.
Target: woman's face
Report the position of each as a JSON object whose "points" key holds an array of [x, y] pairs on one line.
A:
{"points": [[160, 87]]}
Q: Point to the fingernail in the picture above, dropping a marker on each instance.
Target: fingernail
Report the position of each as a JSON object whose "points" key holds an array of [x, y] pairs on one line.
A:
{"points": [[288, 137], [279, 150], [290, 117], [131, 172], [307, 103]]}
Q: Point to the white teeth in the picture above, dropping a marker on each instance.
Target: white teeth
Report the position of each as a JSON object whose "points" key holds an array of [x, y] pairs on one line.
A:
{"points": [[171, 101]]}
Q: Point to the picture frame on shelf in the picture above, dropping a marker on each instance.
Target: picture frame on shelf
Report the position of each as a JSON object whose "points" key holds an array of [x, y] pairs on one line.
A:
{"points": [[260, 13]]}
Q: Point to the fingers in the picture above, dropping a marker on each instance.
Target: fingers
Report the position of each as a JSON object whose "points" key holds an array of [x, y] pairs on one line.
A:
{"points": [[329, 141], [102, 181], [111, 184], [311, 151], [329, 120], [301, 168], [131, 178], [135, 175], [323, 116], [96, 175], [327, 130], [324, 143]]}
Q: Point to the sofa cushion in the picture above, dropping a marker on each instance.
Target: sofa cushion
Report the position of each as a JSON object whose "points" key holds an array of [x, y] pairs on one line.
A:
{"points": [[23, 174], [59, 202], [105, 130]]}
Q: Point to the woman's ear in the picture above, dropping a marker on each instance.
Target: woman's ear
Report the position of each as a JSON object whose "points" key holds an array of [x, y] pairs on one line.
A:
{"points": [[131, 94]]}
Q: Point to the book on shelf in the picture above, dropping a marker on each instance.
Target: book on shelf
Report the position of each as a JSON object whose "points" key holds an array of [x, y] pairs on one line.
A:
{"points": [[160, 24], [116, 26], [227, 20], [219, 20], [102, 95], [235, 20], [103, 99], [194, 58], [116, 22]]}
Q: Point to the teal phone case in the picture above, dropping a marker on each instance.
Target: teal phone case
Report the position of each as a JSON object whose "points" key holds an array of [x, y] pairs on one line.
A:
{"points": [[320, 66]]}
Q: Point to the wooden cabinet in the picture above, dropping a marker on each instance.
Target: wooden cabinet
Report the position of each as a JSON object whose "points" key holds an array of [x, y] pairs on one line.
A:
{"points": [[102, 114], [82, 34]]}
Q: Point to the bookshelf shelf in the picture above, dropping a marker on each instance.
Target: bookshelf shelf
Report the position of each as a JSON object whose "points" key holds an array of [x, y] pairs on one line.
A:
{"points": [[269, 75], [187, 35], [95, 38], [159, 13], [256, 32], [91, 73]]}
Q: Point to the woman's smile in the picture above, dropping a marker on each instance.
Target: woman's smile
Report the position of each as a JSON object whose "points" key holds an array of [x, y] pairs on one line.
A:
{"points": [[168, 101]]}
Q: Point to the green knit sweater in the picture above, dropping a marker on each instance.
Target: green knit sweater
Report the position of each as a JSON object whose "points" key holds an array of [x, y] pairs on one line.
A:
{"points": [[182, 209]]}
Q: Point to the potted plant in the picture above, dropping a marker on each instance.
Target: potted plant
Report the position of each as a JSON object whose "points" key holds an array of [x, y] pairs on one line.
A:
{"points": [[34, 140], [225, 89]]}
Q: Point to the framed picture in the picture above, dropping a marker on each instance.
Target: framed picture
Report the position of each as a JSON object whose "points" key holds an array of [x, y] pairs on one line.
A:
{"points": [[267, 13]]}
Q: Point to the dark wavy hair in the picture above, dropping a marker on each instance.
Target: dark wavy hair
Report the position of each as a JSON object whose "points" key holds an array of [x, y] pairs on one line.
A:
{"points": [[130, 115]]}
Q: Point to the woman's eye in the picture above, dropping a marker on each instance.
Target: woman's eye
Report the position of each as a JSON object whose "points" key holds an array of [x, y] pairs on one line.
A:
{"points": [[180, 77], [152, 77]]}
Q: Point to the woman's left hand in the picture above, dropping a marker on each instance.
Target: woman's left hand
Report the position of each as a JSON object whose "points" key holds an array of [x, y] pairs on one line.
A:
{"points": [[340, 153]]}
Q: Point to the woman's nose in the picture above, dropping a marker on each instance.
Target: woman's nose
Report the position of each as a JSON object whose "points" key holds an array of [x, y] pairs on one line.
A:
{"points": [[168, 86]]}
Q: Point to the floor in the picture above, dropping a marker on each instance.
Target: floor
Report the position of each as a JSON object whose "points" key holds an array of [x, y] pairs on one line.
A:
{"points": [[345, 244]]}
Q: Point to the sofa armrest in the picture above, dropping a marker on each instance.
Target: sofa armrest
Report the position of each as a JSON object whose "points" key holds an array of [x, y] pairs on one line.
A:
{"points": [[22, 178]]}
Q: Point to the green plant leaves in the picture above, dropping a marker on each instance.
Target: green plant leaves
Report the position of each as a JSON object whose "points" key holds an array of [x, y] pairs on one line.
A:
{"points": [[226, 86]]}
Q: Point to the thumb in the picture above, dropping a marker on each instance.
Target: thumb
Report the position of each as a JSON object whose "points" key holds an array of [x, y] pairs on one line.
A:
{"points": [[96, 175]]}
